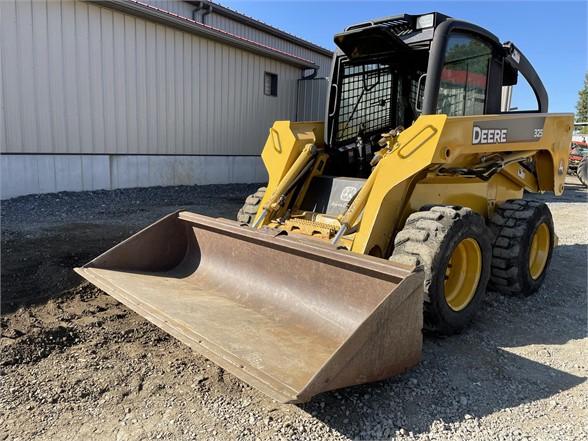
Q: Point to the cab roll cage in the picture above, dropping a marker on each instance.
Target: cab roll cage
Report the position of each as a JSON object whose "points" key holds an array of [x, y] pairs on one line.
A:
{"points": [[399, 35]]}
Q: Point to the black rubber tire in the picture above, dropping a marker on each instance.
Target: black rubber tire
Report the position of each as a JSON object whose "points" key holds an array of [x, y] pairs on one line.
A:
{"points": [[513, 224], [249, 209], [582, 171], [429, 238]]}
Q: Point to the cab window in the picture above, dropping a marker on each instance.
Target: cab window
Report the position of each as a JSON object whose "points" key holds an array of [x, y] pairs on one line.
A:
{"points": [[464, 78]]}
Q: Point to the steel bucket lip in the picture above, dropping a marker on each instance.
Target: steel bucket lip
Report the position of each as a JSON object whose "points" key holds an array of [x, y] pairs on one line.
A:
{"points": [[328, 254], [267, 384]]}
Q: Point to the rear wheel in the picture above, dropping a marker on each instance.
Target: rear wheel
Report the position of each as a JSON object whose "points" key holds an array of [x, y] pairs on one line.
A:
{"points": [[248, 211], [453, 245], [523, 245], [582, 171]]}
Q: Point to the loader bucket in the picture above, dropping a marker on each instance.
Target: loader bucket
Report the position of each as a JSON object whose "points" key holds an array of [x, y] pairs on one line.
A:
{"points": [[289, 316]]}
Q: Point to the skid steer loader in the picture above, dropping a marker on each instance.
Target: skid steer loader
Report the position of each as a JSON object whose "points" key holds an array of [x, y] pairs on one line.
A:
{"points": [[394, 213]]}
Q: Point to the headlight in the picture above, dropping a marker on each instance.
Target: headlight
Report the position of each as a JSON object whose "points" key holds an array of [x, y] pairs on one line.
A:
{"points": [[425, 21]]}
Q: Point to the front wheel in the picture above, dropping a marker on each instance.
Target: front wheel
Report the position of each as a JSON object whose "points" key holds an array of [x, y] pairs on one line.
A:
{"points": [[453, 245], [249, 209]]}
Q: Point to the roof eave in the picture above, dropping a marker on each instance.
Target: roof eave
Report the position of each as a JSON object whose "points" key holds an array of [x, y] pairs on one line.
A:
{"points": [[229, 13], [159, 15]]}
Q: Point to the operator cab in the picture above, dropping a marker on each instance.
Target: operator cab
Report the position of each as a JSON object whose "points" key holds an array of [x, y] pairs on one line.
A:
{"points": [[387, 72]]}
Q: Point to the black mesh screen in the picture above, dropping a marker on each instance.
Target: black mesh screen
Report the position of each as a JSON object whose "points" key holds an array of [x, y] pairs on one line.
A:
{"points": [[365, 101]]}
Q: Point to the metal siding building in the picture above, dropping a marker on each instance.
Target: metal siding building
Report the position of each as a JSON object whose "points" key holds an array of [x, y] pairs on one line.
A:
{"points": [[101, 95]]}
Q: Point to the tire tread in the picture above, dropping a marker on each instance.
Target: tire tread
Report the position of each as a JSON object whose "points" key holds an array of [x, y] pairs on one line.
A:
{"points": [[510, 225], [247, 212], [420, 243]]}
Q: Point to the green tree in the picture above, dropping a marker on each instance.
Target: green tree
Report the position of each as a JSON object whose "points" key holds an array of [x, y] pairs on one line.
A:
{"points": [[582, 105]]}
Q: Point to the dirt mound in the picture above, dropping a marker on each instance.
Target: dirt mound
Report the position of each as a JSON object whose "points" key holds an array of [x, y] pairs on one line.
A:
{"points": [[37, 344]]}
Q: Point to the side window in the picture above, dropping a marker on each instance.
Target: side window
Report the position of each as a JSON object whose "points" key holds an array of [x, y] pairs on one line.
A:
{"points": [[464, 77], [519, 97], [270, 84]]}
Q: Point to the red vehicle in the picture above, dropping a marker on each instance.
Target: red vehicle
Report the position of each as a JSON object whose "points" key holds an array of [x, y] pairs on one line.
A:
{"points": [[578, 151]]}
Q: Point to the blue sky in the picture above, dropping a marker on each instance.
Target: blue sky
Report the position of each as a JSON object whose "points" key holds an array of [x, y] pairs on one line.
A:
{"points": [[552, 34]]}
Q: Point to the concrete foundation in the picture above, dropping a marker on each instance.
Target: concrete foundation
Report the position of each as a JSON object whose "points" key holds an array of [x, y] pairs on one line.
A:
{"points": [[32, 174]]}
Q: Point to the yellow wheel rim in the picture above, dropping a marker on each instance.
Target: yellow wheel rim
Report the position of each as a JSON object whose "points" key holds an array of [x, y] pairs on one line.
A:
{"points": [[463, 274], [539, 250]]}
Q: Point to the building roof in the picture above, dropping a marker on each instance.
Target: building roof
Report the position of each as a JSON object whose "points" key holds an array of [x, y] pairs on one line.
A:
{"points": [[154, 13], [218, 8]]}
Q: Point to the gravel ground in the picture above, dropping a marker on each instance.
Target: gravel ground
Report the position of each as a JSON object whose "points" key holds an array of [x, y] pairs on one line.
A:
{"points": [[75, 364]]}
